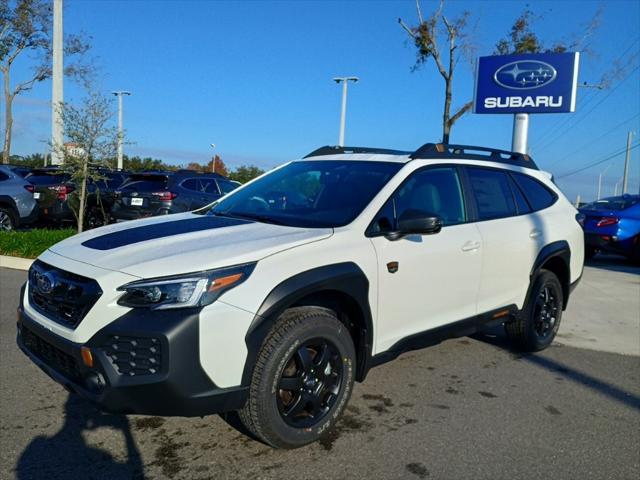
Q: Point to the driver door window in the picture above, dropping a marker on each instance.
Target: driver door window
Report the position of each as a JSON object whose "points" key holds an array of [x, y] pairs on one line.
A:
{"points": [[434, 190]]}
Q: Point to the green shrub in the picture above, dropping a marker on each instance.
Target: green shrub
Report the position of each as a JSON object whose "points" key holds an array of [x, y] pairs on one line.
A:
{"points": [[31, 243]]}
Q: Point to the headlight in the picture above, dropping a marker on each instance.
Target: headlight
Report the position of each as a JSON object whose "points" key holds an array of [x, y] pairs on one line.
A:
{"points": [[192, 290]]}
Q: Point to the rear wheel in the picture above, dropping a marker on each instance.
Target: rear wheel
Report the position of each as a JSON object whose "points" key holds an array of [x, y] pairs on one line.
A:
{"points": [[538, 322], [302, 380], [590, 252], [7, 219]]}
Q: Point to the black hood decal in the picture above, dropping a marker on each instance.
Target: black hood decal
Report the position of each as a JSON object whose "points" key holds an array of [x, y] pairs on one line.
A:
{"points": [[160, 230]]}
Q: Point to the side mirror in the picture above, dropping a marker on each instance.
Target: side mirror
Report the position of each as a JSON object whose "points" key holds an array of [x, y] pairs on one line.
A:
{"points": [[416, 222]]}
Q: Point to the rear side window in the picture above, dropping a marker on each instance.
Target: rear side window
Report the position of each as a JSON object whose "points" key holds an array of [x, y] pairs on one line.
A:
{"points": [[3, 176], [492, 191], [521, 202], [226, 186], [537, 194]]}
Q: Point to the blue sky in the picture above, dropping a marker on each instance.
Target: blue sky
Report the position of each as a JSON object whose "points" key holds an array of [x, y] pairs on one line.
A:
{"points": [[255, 78]]}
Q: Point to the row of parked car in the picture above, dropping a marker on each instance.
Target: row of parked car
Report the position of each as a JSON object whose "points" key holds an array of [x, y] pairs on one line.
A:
{"points": [[46, 196]]}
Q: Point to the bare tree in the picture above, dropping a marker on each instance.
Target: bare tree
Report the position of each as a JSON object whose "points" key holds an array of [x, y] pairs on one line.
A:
{"points": [[90, 143], [25, 26], [426, 37], [522, 38]]}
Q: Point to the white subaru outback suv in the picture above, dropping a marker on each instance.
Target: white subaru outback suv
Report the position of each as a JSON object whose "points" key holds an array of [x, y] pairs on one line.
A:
{"points": [[273, 300]]}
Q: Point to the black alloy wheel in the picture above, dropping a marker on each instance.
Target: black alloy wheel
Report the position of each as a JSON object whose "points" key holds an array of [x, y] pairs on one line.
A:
{"points": [[310, 383], [545, 312]]}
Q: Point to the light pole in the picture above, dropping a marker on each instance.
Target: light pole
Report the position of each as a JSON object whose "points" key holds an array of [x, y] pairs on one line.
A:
{"points": [[119, 94], [615, 188], [343, 114], [600, 181], [57, 95], [213, 159], [625, 178]]}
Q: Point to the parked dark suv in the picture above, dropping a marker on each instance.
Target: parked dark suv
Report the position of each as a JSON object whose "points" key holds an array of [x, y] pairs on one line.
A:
{"points": [[160, 193], [53, 189]]}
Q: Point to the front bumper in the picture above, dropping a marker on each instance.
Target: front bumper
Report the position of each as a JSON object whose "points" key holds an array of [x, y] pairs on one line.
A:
{"points": [[174, 384]]}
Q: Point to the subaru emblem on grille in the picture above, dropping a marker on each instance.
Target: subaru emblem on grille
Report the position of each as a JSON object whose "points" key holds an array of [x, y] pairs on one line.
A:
{"points": [[45, 282]]}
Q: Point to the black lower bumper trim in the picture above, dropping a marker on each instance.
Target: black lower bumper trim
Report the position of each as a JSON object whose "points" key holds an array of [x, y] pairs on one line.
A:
{"points": [[178, 388]]}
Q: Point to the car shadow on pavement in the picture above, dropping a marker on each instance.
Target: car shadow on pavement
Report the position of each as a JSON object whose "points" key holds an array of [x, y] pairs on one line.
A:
{"points": [[67, 455], [614, 263], [495, 336]]}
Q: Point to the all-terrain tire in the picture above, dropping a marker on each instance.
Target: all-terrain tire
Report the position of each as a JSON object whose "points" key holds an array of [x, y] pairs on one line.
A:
{"points": [[537, 324], [296, 330]]}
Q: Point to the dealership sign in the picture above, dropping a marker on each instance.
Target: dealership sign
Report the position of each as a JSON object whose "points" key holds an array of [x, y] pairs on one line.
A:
{"points": [[530, 83]]}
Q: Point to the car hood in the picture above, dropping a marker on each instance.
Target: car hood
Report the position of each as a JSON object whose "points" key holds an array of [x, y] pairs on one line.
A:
{"points": [[182, 243]]}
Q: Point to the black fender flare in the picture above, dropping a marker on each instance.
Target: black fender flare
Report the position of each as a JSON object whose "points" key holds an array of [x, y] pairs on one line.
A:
{"points": [[559, 249], [346, 278]]}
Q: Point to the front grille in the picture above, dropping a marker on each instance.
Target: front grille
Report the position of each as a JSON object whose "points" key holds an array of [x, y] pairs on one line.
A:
{"points": [[134, 356], [60, 361], [61, 296]]}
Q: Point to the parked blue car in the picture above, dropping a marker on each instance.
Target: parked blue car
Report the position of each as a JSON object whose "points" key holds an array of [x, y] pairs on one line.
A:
{"points": [[612, 225]]}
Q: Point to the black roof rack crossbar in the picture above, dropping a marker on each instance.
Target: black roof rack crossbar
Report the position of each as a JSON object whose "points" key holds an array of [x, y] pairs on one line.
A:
{"points": [[445, 150], [336, 150]]}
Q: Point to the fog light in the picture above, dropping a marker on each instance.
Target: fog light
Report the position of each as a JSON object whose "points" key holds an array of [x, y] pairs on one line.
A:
{"points": [[87, 358]]}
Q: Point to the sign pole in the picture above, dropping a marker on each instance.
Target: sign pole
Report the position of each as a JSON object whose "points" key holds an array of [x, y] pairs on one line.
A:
{"points": [[520, 132]]}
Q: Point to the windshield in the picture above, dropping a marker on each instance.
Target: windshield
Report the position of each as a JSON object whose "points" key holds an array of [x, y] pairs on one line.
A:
{"points": [[619, 203], [326, 193]]}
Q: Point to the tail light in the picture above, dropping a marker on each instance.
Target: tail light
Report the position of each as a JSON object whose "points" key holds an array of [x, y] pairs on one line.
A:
{"points": [[30, 188], [580, 218], [165, 196], [62, 190], [607, 221]]}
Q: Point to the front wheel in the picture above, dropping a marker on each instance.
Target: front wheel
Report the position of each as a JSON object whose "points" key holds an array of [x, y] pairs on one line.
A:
{"points": [[537, 324], [302, 379]]}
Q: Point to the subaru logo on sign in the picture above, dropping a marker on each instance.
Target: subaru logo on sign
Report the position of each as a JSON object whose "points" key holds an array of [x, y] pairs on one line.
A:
{"points": [[525, 75], [45, 282]]}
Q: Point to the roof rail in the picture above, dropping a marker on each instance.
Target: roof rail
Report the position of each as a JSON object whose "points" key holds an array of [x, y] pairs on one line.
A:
{"points": [[446, 150], [337, 150]]}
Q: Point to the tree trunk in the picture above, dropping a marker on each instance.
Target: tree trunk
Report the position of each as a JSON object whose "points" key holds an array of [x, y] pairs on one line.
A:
{"points": [[8, 116], [83, 195], [446, 125]]}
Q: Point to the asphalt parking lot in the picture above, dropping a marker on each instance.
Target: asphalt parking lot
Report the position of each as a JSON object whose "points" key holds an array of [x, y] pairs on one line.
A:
{"points": [[468, 408]]}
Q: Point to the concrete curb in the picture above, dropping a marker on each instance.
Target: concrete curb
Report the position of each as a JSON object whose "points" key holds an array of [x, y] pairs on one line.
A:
{"points": [[16, 263]]}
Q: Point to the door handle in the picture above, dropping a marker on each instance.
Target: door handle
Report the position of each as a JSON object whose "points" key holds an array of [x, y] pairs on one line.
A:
{"points": [[470, 246], [535, 233]]}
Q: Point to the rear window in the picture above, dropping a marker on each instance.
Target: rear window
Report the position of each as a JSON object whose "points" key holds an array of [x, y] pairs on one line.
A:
{"points": [[145, 183], [110, 182], [493, 194], [46, 178], [537, 194]]}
